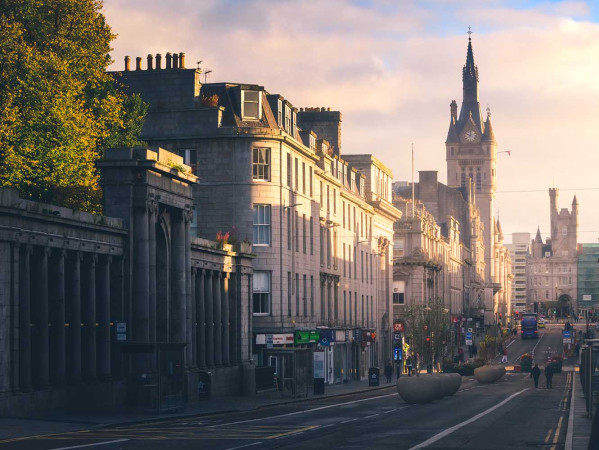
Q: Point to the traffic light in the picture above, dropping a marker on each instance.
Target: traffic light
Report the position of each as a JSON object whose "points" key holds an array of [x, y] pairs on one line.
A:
{"points": [[428, 339]]}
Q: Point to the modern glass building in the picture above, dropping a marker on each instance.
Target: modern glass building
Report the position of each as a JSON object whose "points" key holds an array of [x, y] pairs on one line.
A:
{"points": [[588, 277]]}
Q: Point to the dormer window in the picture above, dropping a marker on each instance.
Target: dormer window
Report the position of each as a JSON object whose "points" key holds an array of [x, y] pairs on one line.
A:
{"points": [[251, 107], [312, 143], [287, 119], [280, 113], [294, 123]]}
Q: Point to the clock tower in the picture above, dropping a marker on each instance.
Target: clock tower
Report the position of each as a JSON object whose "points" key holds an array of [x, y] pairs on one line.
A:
{"points": [[471, 152]]}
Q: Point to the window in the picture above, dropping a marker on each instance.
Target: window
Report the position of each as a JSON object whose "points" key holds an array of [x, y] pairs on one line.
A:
{"points": [[289, 294], [261, 293], [343, 245], [344, 307], [280, 113], [289, 169], [310, 180], [261, 224], [322, 249], [305, 296], [304, 233], [250, 101], [398, 298], [311, 235], [303, 177], [297, 295], [296, 231], [362, 265], [287, 119], [328, 200], [334, 201], [261, 164], [343, 212], [312, 295], [296, 174], [288, 228], [321, 196]]}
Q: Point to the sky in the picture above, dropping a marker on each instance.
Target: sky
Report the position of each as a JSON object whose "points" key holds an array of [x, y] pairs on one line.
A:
{"points": [[392, 68]]}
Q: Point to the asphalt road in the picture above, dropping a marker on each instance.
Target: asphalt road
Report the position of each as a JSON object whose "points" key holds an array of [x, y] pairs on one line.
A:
{"points": [[507, 414]]}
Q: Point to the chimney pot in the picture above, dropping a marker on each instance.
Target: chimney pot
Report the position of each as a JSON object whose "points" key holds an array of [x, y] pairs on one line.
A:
{"points": [[158, 61], [169, 60], [138, 63], [181, 60], [175, 60], [127, 64], [149, 62]]}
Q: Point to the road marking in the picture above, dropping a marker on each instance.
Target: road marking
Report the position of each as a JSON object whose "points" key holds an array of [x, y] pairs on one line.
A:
{"points": [[302, 412], [548, 435], [91, 445], [448, 431], [570, 432], [558, 429], [350, 420], [247, 445], [373, 415]]}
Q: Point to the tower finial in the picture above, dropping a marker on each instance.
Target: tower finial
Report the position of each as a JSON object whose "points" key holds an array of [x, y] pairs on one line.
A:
{"points": [[469, 32]]}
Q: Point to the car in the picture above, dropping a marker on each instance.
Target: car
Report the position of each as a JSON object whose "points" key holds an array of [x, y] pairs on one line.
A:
{"points": [[542, 323]]}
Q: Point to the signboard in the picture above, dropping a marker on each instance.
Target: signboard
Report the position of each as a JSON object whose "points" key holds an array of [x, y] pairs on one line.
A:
{"points": [[277, 339], [318, 364], [358, 334], [269, 341], [327, 338], [121, 331], [587, 297], [469, 330], [567, 337], [396, 337], [469, 338], [307, 336]]}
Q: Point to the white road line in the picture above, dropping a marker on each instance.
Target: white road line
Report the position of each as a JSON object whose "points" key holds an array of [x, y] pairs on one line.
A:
{"points": [[448, 431], [570, 432], [350, 420], [243, 446], [91, 445], [302, 412], [373, 415]]}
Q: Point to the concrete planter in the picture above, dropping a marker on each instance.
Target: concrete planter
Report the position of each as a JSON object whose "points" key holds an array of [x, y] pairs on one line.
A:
{"points": [[426, 388], [489, 374]]}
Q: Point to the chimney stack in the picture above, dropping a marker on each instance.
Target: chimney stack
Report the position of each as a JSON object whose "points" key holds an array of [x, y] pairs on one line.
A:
{"points": [[138, 63], [175, 60], [169, 58], [158, 61], [149, 62], [127, 64], [182, 60]]}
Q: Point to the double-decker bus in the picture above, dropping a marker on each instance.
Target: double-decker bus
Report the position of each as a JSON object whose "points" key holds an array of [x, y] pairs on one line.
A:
{"points": [[528, 325]]}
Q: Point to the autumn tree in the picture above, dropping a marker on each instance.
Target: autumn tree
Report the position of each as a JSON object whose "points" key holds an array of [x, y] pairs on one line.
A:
{"points": [[58, 105]]}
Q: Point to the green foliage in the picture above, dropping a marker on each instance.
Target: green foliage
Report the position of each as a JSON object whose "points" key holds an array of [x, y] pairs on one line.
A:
{"points": [[488, 348], [436, 319], [58, 105]]}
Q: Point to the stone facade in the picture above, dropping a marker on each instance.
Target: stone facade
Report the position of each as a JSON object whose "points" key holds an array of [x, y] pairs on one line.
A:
{"points": [[553, 265], [91, 306], [275, 175]]}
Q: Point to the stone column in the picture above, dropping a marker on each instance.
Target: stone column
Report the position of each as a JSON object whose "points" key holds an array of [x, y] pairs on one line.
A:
{"points": [[178, 297], [193, 328], [58, 322], [74, 349], [218, 319], [209, 309], [41, 322], [141, 274], [225, 319], [200, 295], [153, 214], [234, 313], [103, 277], [189, 309], [89, 319], [25, 318]]}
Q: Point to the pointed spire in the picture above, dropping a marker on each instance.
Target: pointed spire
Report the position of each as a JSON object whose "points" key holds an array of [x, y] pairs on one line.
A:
{"points": [[499, 230], [538, 239], [575, 201], [470, 75], [488, 135], [452, 134]]}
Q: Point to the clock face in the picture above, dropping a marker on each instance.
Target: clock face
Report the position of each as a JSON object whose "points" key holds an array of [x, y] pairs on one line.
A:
{"points": [[470, 136]]}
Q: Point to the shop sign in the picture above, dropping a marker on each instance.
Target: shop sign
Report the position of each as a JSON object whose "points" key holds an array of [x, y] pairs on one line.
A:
{"points": [[339, 336], [327, 338], [318, 364], [306, 336], [358, 334], [398, 327], [277, 339]]}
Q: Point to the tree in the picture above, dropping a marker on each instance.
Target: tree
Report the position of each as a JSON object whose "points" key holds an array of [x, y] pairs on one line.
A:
{"points": [[58, 106]]}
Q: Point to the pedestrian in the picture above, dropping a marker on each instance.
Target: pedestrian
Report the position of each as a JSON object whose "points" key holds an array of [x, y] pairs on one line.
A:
{"points": [[504, 357], [548, 375], [409, 365], [535, 373], [388, 371], [474, 351], [470, 351], [460, 355]]}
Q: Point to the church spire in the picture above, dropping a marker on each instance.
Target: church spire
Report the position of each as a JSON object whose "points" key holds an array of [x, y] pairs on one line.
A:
{"points": [[470, 74]]}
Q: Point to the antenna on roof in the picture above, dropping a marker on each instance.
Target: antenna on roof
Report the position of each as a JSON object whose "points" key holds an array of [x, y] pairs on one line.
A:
{"points": [[198, 63], [206, 72]]}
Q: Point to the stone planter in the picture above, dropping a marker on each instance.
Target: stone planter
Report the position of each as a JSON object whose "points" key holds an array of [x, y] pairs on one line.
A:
{"points": [[429, 387], [489, 374]]}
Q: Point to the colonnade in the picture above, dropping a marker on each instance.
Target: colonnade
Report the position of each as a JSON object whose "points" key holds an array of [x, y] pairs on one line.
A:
{"points": [[216, 318], [64, 316]]}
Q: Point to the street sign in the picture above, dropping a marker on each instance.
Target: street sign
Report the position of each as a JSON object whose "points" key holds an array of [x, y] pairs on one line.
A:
{"points": [[469, 338], [269, 340], [470, 330], [121, 331], [567, 337]]}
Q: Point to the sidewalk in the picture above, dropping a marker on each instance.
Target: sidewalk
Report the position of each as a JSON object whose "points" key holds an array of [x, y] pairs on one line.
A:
{"points": [[579, 426], [100, 419]]}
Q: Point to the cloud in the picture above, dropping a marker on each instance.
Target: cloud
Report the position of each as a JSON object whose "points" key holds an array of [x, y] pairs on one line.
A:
{"points": [[393, 67]]}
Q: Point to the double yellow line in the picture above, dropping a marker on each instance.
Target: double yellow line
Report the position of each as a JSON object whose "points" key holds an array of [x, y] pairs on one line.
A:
{"points": [[562, 407]]}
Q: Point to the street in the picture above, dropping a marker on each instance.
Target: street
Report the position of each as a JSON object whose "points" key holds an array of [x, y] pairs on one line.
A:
{"points": [[506, 414]]}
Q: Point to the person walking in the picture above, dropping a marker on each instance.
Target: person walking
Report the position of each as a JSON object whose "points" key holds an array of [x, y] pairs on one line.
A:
{"points": [[460, 355], [549, 376], [409, 365], [474, 351], [388, 371], [535, 373], [504, 357]]}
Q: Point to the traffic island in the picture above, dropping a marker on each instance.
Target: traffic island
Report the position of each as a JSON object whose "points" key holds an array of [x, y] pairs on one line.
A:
{"points": [[489, 374], [429, 387]]}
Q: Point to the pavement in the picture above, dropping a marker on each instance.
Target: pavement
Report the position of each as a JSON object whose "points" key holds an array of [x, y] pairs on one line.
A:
{"points": [[71, 420], [579, 425]]}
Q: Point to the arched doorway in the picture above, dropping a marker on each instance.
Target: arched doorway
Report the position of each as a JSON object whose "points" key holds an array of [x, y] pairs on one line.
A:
{"points": [[564, 305], [162, 283]]}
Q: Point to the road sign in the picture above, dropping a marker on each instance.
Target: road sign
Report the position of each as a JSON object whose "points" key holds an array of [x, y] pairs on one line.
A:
{"points": [[567, 337], [269, 340], [469, 338], [121, 331], [470, 330]]}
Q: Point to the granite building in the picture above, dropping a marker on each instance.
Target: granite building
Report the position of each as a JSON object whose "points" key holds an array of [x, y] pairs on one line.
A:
{"points": [[321, 223]]}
